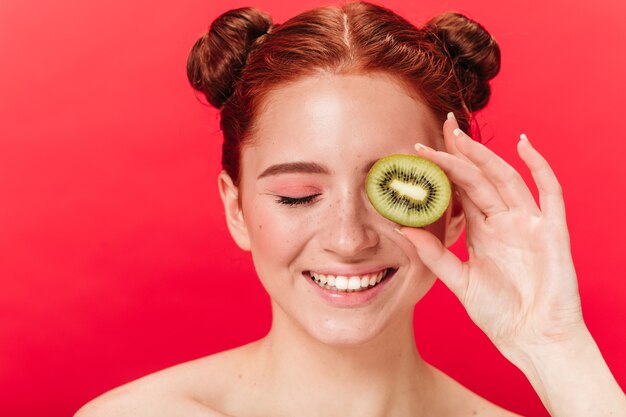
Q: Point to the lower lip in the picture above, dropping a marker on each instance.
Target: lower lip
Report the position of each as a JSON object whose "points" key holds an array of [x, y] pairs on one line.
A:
{"points": [[350, 299]]}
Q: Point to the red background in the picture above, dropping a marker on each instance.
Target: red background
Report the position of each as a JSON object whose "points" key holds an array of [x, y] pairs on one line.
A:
{"points": [[114, 257]]}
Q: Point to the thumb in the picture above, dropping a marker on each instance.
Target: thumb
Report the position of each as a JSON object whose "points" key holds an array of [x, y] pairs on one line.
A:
{"points": [[443, 263]]}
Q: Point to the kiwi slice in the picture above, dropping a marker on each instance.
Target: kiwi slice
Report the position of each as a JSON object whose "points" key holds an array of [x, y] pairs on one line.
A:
{"points": [[408, 190]]}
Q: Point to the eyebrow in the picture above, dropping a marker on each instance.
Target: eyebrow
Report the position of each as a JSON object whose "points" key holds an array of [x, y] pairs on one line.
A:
{"points": [[294, 167], [303, 168]]}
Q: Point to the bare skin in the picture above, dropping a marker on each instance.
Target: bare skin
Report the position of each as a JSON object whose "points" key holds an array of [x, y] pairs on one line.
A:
{"points": [[233, 383], [323, 358]]}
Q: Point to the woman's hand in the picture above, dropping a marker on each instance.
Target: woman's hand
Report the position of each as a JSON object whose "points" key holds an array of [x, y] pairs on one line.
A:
{"points": [[519, 284]]}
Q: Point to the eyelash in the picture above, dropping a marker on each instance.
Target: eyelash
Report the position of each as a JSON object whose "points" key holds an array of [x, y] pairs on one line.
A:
{"points": [[292, 201]]}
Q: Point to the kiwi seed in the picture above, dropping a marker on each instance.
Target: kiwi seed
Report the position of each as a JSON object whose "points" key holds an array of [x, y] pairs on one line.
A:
{"points": [[408, 190]]}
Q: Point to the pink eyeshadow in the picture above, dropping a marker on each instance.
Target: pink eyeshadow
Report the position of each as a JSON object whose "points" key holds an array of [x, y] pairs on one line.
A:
{"points": [[293, 189]]}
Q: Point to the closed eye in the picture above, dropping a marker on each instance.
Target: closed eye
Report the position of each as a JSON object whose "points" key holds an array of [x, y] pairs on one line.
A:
{"points": [[293, 201]]}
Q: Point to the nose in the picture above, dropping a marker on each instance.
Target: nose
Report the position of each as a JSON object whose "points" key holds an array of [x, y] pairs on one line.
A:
{"points": [[347, 228]]}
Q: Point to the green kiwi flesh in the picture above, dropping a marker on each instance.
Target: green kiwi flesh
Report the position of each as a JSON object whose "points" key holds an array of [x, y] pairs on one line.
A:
{"points": [[408, 190]]}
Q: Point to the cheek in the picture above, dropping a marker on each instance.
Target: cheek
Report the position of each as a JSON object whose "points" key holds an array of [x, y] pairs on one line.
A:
{"points": [[276, 234]]}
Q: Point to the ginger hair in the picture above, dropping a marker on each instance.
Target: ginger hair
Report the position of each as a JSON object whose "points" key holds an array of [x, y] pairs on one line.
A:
{"points": [[448, 62]]}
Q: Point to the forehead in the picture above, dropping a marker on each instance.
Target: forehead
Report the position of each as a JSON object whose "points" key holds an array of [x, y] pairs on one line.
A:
{"points": [[337, 117]]}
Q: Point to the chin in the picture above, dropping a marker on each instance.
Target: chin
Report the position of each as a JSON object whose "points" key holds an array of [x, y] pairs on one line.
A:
{"points": [[348, 332], [344, 339]]}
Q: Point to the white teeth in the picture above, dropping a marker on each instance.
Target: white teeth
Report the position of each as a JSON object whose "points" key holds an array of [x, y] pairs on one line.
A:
{"points": [[354, 283], [349, 284], [341, 282], [365, 281]]}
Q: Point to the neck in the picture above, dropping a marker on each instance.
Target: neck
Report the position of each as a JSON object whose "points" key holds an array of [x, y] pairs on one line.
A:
{"points": [[372, 378]]}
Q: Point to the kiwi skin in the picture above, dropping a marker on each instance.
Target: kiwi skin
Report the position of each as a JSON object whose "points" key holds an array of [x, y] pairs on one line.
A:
{"points": [[405, 210]]}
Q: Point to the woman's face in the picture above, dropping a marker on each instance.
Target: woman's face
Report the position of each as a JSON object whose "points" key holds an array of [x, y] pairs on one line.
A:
{"points": [[304, 212]]}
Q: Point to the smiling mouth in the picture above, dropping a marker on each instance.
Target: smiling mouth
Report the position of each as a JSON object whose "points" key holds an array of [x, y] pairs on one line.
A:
{"points": [[354, 283]]}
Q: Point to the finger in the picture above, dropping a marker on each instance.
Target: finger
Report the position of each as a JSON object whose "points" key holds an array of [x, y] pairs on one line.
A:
{"points": [[468, 177], [443, 263], [449, 139], [550, 192], [504, 177]]}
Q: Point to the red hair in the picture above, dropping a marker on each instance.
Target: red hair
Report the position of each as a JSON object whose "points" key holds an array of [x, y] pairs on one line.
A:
{"points": [[448, 62]]}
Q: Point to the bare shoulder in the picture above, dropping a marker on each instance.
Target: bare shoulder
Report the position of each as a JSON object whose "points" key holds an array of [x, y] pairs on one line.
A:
{"points": [[205, 387], [184, 389], [138, 403]]}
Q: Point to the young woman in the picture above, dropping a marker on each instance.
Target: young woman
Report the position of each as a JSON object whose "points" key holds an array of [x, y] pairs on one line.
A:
{"points": [[306, 108]]}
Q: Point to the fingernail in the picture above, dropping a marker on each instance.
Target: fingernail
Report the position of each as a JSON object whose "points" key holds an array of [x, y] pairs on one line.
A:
{"points": [[523, 137], [451, 116], [397, 230], [419, 147], [457, 132]]}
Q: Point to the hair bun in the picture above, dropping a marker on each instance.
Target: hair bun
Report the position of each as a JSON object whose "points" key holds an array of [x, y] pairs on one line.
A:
{"points": [[474, 53], [217, 57]]}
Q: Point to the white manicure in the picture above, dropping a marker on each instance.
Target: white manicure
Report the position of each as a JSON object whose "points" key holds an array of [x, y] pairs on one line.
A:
{"points": [[457, 131], [523, 136]]}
